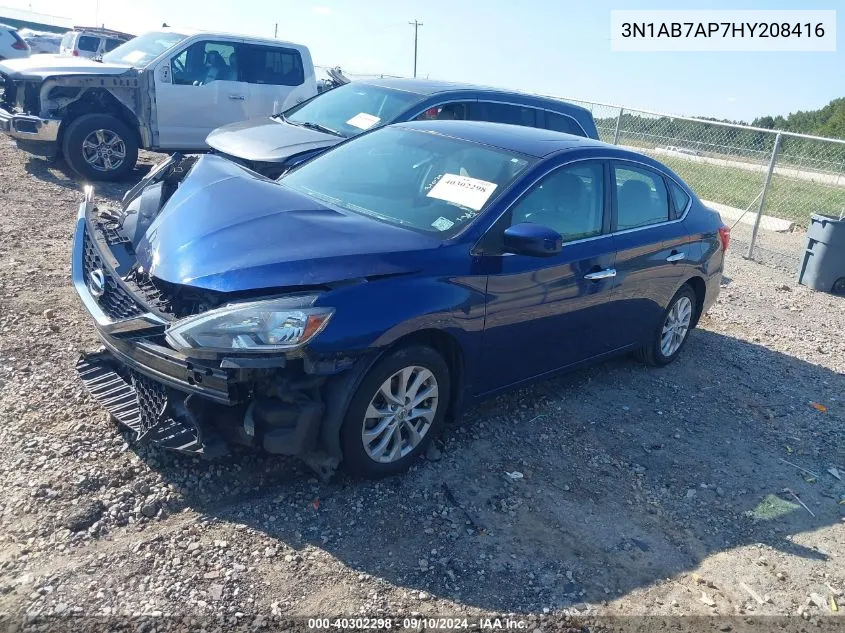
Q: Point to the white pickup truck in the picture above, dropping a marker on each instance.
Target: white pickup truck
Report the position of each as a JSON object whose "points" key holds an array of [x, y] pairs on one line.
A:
{"points": [[162, 91]]}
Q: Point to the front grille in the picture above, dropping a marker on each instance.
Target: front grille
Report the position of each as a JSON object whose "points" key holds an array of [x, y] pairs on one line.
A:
{"points": [[152, 401], [115, 301]]}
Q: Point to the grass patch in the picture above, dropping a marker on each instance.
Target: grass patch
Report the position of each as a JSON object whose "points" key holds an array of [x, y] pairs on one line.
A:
{"points": [[772, 507]]}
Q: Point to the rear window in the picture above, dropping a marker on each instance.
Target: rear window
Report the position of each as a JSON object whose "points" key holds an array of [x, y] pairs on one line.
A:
{"points": [[561, 123], [88, 43], [275, 66], [112, 44], [503, 113]]}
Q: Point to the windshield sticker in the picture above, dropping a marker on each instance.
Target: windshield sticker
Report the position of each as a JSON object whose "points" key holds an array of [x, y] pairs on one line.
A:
{"points": [[363, 121], [463, 190], [442, 224]]}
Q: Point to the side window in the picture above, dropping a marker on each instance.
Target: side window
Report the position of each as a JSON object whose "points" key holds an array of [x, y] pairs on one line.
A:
{"points": [[274, 66], [641, 198], [88, 43], [562, 123], [680, 198], [454, 110], [112, 44], [569, 200], [503, 113], [204, 62]]}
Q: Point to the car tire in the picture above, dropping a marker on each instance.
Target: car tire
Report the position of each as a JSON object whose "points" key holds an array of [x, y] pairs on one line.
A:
{"points": [[87, 140], [423, 370], [672, 333], [839, 286]]}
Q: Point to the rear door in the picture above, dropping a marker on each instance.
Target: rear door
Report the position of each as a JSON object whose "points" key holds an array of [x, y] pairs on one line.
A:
{"points": [[197, 90], [547, 313], [277, 76], [651, 247]]}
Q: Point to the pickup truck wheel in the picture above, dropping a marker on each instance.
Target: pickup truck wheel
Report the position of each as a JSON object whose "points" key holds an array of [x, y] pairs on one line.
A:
{"points": [[397, 410], [100, 147]]}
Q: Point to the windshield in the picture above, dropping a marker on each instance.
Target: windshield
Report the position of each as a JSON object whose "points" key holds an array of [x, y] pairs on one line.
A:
{"points": [[427, 182], [353, 108], [140, 51]]}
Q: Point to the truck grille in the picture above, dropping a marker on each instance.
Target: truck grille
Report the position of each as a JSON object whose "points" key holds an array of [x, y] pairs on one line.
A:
{"points": [[115, 301]]}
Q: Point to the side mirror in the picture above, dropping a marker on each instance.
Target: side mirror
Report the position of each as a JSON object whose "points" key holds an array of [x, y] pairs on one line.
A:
{"points": [[534, 240]]}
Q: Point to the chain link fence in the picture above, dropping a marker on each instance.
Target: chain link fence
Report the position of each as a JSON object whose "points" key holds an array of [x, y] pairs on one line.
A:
{"points": [[745, 173]]}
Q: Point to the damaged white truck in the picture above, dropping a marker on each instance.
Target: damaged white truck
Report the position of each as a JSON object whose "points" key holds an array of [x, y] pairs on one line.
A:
{"points": [[162, 91]]}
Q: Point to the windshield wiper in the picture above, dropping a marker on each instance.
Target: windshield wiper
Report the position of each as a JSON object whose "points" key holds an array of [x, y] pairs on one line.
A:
{"points": [[311, 126], [321, 128]]}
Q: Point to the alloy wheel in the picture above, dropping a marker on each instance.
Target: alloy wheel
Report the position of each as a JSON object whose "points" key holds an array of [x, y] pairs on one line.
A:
{"points": [[400, 414], [676, 326], [104, 150]]}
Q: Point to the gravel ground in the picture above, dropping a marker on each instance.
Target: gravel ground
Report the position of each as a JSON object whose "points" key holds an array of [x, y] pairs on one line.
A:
{"points": [[643, 491]]}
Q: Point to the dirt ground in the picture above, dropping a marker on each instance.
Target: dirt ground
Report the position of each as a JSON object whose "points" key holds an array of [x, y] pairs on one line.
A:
{"points": [[643, 491]]}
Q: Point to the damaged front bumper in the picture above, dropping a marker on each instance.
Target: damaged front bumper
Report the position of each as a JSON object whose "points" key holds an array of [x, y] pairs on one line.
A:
{"points": [[190, 405], [26, 127]]}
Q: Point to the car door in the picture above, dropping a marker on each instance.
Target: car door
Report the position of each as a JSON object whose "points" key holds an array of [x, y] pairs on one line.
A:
{"points": [[197, 90], [543, 314], [276, 78], [651, 247]]}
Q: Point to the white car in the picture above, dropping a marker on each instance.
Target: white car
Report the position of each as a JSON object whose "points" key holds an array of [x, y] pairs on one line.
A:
{"points": [[12, 45], [91, 42], [162, 91]]}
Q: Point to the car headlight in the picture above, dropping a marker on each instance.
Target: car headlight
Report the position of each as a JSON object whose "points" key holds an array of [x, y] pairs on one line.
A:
{"points": [[257, 326]]}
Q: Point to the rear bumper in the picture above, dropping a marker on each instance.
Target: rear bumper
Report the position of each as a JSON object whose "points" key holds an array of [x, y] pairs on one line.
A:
{"points": [[29, 128]]}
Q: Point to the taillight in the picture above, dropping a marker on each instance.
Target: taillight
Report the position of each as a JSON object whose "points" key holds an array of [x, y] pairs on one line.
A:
{"points": [[75, 53], [725, 236], [19, 44]]}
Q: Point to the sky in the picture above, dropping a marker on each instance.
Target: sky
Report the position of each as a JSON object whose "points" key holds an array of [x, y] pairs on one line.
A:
{"points": [[555, 47]]}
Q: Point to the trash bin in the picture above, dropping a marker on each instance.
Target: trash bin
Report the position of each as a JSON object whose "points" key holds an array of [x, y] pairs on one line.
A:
{"points": [[823, 265]]}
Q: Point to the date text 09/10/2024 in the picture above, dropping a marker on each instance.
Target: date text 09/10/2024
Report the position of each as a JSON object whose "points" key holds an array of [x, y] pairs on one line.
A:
{"points": [[418, 623]]}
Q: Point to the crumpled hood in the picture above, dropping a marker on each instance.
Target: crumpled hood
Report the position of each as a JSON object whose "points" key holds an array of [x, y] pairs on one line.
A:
{"points": [[43, 66], [268, 140], [228, 229]]}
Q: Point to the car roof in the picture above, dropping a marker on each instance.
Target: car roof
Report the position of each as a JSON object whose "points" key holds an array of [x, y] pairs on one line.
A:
{"points": [[428, 87], [531, 141], [251, 39]]}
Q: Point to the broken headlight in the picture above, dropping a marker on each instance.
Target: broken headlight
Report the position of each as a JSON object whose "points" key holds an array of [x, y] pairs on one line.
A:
{"points": [[257, 326]]}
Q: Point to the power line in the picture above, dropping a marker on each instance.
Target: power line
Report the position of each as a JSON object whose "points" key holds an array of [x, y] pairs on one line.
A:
{"points": [[416, 24]]}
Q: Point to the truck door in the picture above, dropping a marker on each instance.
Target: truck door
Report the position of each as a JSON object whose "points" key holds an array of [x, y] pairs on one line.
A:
{"points": [[197, 90]]}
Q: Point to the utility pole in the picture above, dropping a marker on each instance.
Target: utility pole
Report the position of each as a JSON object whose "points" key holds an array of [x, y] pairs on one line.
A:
{"points": [[276, 32], [416, 24]]}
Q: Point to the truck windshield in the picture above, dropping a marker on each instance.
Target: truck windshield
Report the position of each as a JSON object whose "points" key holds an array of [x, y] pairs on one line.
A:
{"points": [[423, 181], [143, 49], [352, 108]]}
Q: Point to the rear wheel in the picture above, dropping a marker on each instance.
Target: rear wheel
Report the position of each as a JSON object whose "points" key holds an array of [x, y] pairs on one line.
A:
{"points": [[839, 286], [397, 410], [671, 335], [100, 147]]}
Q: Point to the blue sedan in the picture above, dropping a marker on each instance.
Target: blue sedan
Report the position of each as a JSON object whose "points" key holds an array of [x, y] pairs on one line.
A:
{"points": [[354, 305]]}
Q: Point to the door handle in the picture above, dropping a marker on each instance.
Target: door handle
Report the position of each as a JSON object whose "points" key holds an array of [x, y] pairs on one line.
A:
{"points": [[601, 274], [676, 257], [237, 97]]}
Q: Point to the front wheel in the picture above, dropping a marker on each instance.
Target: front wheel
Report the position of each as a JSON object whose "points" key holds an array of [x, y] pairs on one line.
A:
{"points": [[397, 410], [100, 147], [670, 336], [839, 286]]}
